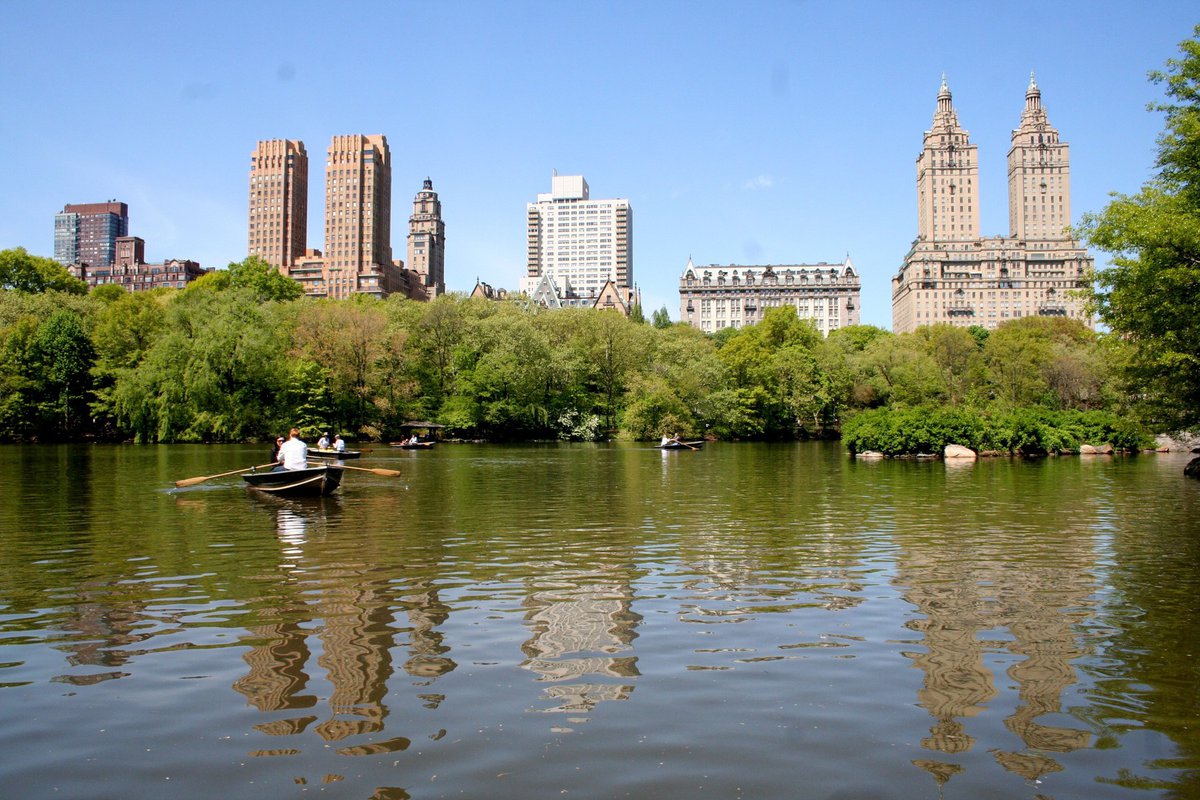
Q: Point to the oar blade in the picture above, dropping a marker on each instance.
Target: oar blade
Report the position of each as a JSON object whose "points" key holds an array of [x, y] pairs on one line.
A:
{"points": [[191, 481], [387, 473]]}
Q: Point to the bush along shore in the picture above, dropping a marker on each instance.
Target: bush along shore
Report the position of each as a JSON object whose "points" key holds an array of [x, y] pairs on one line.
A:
{"points": [[959, 432]]}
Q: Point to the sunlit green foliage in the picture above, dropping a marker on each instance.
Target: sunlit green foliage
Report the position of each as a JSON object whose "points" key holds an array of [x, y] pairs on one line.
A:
{"points": [[1027, 431], [1147, 297], [236, 357], [22, 272]]}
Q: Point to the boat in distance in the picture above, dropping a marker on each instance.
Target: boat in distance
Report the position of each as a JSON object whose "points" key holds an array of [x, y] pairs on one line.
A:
{"points": [[312, 481], [413, 445], [343, 455], [674, 445]]}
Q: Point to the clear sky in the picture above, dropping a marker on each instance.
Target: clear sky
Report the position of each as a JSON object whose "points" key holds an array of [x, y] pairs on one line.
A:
{"points": [[741, 132]]}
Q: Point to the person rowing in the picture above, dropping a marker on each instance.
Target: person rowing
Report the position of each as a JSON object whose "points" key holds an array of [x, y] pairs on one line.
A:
{"points": [[293, 454]]}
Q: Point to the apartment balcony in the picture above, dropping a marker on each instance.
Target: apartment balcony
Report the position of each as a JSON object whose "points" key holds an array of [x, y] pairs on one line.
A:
{"points": [[960, 308], [1052, 310]]}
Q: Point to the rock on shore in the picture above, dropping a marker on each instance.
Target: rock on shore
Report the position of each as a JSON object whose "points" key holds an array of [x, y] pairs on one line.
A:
{"points": [[1178, 443]]}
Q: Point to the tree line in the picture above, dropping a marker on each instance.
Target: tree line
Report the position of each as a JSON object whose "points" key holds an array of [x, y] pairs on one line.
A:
{"points": [[239, 355]]}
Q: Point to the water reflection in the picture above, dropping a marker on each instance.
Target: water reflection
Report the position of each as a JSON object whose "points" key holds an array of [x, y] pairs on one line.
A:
{"points": [[787, 617], [579, 620], [353, 616], [975, 611]]}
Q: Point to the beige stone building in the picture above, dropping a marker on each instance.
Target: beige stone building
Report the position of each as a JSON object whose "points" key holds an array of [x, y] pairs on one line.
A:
{"points": [[955, 276], [427, 241], [278, 219], [733, 296]]}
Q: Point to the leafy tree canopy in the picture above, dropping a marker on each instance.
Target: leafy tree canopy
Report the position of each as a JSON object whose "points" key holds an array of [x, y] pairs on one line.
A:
{"points": [[252, 273], [22, 272], [1147, 296]]}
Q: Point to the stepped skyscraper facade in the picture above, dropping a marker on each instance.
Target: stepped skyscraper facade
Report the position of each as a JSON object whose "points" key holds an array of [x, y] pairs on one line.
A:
{"points": [[278, 224], [952, 274]]}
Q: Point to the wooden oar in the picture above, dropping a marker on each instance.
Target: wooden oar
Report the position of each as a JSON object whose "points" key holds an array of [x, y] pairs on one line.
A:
{"points": [[386, 473], [685, 444], [202, 479]]}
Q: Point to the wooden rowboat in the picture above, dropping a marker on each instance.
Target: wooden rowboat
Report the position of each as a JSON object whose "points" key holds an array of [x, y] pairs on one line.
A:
{"points": [[296, 482], [681, 445], [345, 454], [413, 445]]}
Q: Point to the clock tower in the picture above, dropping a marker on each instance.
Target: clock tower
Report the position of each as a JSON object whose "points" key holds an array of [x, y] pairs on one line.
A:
{"points": [[427, 241]]}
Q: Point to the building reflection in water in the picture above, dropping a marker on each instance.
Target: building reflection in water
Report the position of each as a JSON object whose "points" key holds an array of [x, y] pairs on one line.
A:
{"points": [[965, 602], [357, 634], [579, 623]]}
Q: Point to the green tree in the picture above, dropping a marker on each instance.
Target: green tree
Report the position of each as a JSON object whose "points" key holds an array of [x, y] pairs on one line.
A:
{"points": [[347, 339], [22, 272], [1147, 295], [64, 352], [20, 379], [956, 353], [253, 273], [661, 318], [217, 372], [127, 325]]}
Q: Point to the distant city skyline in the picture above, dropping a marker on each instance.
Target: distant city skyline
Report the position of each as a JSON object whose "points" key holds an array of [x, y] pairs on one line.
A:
{"points": [[773, 133]]}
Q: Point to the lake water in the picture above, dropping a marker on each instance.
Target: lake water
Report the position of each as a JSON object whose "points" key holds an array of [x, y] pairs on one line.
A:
{"points": [[599, 621]]}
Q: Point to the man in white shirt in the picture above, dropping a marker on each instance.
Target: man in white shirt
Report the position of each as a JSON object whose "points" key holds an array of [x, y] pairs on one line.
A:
{"points": [[293, 454], [339, 444]]}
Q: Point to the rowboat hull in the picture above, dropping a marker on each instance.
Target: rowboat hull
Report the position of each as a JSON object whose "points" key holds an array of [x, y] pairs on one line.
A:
{"points": [[417, 446], [681, 446], [314, 481], [343, 456]]}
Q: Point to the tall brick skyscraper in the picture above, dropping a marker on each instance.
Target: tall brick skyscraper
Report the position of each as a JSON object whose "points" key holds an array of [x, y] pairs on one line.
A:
{"points": [[358, 204], [278, 226]]}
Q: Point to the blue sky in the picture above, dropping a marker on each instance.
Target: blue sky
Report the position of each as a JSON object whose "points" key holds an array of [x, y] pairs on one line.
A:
{"points": [[741, 132]]}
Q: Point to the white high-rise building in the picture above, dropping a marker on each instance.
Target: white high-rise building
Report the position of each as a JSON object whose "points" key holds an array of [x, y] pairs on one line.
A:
{"points": [[579, 242]]}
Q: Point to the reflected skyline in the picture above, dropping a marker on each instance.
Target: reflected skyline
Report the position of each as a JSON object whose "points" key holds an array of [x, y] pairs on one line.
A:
{"points": [[735, 613]]}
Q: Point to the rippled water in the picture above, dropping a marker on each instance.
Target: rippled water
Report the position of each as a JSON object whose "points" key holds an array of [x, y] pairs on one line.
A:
{"points": [[757, 621]]}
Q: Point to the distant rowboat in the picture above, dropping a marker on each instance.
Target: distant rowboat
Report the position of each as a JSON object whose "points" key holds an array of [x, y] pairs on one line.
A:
{"points": [[295, 482], [343, 455], [413, 445], [674, 445]]}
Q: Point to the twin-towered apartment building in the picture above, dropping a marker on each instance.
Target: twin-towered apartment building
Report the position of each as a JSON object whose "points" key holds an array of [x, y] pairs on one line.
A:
{"points": [[357, 258], [951, 274]]}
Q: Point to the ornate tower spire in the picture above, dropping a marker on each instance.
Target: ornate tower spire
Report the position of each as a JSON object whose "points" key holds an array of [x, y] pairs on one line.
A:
{"points": [[945, 119], [1039, 173], [947, 178], [427, 240]]}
